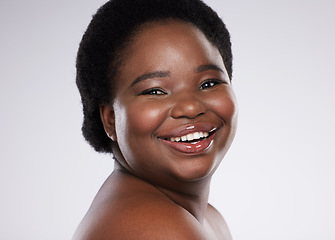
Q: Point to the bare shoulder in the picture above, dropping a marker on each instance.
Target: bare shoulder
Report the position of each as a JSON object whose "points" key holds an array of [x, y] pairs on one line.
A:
{"points": [[217, 223], [152, 219], [139, 215]]}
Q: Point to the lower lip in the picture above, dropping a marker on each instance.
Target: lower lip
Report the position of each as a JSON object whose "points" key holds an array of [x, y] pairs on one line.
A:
{"points": [[195, 147]]}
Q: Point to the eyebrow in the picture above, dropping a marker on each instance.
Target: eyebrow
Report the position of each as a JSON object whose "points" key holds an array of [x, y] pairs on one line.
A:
{"points": [[146, 76], [158, 74], [203, 68]]}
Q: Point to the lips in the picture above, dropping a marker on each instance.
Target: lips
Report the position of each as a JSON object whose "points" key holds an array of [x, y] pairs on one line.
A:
{"points": [[191, 139]]}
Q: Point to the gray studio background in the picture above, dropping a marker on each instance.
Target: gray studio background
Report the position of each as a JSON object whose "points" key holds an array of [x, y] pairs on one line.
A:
{"points": [[277, 181]]}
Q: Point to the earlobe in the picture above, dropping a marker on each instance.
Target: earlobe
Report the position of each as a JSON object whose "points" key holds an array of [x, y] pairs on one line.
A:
{"points": [[108, 120]]}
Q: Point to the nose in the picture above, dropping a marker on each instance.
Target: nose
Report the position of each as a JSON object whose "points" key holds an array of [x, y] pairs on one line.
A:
{"points": [[188, 106]]}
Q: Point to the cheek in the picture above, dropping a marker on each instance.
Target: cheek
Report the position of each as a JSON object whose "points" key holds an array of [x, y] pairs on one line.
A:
{"points": [[135, 125], [141, 118], [225, 106]]}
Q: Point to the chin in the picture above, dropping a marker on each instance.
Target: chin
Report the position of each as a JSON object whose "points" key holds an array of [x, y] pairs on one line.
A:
{"points": [[196, 170]]}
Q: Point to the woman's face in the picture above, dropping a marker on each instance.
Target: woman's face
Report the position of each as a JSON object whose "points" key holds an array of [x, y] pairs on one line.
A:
{"points": [[174, 107]]}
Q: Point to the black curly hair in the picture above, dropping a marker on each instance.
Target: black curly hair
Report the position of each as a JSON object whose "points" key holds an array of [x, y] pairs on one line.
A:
{"points": [[109, 32]]}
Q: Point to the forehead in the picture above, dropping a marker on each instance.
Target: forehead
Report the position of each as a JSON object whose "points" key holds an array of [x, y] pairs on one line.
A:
{"points": [[162, 42], [168, 32]]}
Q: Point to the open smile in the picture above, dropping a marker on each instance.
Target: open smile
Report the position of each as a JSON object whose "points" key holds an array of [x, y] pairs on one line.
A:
{"points": [[194, 142], [192, 136]]}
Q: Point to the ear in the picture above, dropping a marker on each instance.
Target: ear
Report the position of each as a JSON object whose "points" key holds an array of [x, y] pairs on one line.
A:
{"points": [[108, 120]]}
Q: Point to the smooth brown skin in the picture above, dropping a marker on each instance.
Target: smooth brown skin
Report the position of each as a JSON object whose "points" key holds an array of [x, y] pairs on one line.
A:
{"points": [[156, 192]]}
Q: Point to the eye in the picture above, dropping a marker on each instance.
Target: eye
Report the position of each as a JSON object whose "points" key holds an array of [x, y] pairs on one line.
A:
{"points": [[153, 91], [210, 83]]}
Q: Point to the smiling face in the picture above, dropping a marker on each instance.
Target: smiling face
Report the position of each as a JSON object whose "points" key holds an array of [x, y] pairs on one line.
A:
{"points": [[174, 106]]}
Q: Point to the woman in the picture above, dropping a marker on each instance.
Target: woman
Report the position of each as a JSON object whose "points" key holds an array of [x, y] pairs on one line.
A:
{"points": [[154, 78]]}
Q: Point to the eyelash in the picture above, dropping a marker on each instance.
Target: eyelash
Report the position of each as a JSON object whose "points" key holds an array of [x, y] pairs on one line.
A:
{"points": [[211, 82], [153, 91], [157, 91]]}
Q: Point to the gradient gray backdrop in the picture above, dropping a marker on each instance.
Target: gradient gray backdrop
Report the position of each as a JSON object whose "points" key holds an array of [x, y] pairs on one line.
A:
{"points": [[277, 181]]}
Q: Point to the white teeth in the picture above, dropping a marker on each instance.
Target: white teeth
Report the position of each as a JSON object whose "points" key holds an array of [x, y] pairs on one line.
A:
{"points": [[190, 137], [196, 135]]}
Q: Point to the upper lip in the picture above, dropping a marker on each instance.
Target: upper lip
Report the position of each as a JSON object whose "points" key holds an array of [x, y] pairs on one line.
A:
{"points": [[189, 128]]}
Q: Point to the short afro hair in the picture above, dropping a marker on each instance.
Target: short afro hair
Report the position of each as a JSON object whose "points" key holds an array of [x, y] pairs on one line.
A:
{"points": [[109, 32]]}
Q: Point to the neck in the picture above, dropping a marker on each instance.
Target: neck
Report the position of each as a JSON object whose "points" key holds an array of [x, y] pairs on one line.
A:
{"points": [[195, 202], [191, 195]]}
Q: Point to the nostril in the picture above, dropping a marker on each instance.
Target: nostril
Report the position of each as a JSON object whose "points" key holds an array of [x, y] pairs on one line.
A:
{"points": [[188, 108]]}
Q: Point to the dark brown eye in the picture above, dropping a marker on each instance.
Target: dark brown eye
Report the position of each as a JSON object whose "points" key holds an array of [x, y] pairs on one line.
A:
{"points": [[210, 83], [153, 91]]}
